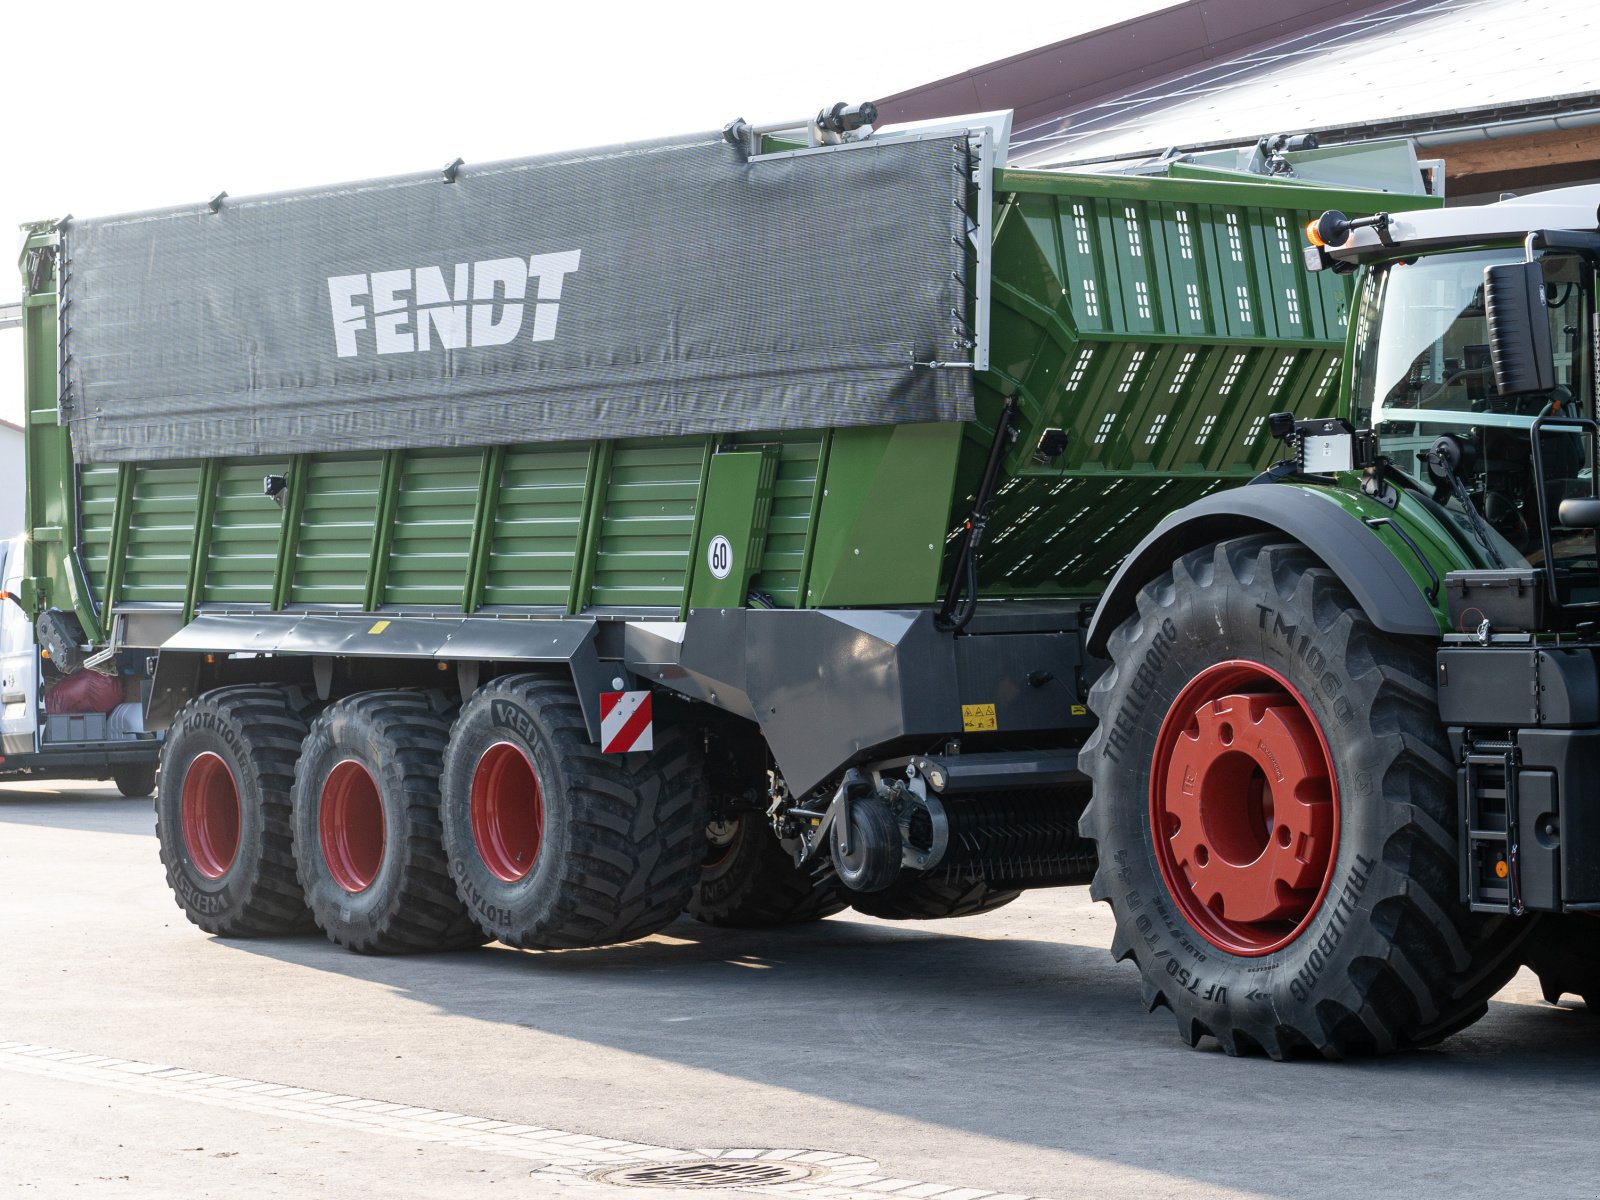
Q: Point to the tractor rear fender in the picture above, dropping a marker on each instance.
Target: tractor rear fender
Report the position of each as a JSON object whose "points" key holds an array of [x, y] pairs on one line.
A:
{"points": [[1378, 581]]}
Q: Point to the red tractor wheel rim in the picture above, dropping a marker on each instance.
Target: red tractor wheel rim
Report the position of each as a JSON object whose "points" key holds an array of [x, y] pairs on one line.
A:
{"points": [[351, 826], [210, 812], [507, 812], [1244, 808]]}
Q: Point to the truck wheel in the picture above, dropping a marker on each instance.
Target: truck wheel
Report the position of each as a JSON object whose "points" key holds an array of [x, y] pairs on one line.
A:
{"points": [[222, 816], [366, 826], [1275, 810], [135, 782], [1564, 952], [933, 898], [555, 845], [749, 881]]}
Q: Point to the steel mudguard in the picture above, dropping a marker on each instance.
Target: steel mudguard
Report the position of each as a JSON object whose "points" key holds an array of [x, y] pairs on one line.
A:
{"points": [[1379, 581]]}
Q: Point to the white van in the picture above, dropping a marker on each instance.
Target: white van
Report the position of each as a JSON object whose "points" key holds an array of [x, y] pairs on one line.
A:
{"points": [[36, 743]]}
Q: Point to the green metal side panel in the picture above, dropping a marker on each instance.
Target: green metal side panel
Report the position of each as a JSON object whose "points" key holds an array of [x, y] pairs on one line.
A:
{"points": [[783, 555], [433, 518], [1158, 322], [537, 524], [54, 576], [880, 537], [337, 529], [97, 518], [647, 524], [161, 525], [245, 527], [733, 526]]}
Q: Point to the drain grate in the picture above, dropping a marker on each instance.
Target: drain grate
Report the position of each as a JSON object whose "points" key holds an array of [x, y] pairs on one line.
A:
{"points": [[706, 1173]]}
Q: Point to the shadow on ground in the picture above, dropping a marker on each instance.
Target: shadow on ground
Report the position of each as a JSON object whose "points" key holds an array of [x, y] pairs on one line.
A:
{"points": [[1014, 1026], [1037, 1042]]}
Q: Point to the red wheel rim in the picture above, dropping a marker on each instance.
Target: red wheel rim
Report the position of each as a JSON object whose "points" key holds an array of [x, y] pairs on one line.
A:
{"points": [[350, 823], [210, 809], [507, 812], [1244, 808]]}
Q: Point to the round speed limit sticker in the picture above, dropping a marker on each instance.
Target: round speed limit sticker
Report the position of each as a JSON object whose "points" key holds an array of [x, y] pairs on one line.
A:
{"points": [[719, 557]]}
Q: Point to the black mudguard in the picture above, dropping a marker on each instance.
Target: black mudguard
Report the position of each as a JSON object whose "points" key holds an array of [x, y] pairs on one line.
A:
{"points": [[1377, 580]]}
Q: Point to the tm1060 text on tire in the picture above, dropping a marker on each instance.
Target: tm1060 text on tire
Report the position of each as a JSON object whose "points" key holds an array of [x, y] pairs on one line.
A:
{"points": [[1274, 805]]}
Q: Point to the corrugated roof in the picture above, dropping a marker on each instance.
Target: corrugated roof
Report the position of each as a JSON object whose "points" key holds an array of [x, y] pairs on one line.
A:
{"points": [[1444, 64], [1348, 72]]}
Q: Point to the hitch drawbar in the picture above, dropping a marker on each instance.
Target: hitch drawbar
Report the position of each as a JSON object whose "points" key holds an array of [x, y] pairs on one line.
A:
{"points": [[1007, 818]]}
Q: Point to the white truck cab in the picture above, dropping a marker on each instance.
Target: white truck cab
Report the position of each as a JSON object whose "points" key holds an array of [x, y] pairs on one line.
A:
{"points": [[36, 743]]}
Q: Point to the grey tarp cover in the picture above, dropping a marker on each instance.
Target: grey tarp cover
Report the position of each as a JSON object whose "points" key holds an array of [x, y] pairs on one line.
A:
{"points": [[649, 289]]}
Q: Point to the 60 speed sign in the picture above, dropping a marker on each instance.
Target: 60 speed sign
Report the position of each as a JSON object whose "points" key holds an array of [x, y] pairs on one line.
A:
{"points": [[719, 557]]}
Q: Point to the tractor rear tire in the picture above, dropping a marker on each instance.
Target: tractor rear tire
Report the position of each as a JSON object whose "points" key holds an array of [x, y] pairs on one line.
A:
{"points": [[933, 898], [222, 815], [1564, 952], [1275, 811], [366, 826], [749, 881], [554, 845]]}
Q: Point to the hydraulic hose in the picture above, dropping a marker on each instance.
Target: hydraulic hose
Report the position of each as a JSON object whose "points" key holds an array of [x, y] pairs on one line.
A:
{"points": [[949, 617]]}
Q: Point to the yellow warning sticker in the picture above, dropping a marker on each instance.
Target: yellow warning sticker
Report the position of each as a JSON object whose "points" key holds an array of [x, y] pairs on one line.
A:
{"points": [[379, 627], [1079, 710], [978, 718]]}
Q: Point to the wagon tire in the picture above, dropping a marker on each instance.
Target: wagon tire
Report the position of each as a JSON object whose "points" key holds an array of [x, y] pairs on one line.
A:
{"points": [[1318, 912], [554, 845], [223, 812], [749, 881], [934, 898], [366, 826]]}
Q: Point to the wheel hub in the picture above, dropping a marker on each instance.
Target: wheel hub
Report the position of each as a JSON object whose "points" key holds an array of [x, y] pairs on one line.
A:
{"points": [[351, 825], [1244, 808], [210, 815], [507, 812]]}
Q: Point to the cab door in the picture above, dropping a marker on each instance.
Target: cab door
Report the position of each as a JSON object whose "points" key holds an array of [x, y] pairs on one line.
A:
{"points": [[19, 661]]}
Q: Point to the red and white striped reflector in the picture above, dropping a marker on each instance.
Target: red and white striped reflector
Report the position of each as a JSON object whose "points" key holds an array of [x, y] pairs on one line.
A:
{"points": [[625, 722]]}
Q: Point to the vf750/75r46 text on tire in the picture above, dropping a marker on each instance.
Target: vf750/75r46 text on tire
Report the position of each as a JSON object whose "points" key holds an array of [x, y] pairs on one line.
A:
{"points": [[1275, 811]]}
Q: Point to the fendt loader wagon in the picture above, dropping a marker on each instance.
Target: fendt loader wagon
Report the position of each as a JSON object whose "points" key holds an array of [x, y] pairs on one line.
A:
{"points": [[537, 550]]}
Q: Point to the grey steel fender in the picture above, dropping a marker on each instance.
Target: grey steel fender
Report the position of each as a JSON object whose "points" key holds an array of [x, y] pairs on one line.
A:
{"points": [[323, 637], [1367, 567]]}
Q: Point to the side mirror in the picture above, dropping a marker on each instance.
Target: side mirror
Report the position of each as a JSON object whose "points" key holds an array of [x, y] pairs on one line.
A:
{"points": [[1519, 329]]}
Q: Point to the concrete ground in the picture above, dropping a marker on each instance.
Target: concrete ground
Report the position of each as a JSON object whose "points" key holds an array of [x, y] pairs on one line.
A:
{"points": [[998, 1054]]}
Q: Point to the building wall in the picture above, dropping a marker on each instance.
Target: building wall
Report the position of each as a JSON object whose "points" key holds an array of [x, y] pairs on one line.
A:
{"points": [[10, 480]]}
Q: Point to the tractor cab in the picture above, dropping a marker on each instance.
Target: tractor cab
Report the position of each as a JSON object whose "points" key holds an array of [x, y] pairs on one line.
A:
{"points": [[1473, 364]]}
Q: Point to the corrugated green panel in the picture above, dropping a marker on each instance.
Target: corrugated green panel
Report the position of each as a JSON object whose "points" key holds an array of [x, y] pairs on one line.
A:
{"points": [[242, 559], [783, 557], [536, 525], [97, 509], [643, 552], [433, 527], [334, 550], [166, 499]]}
